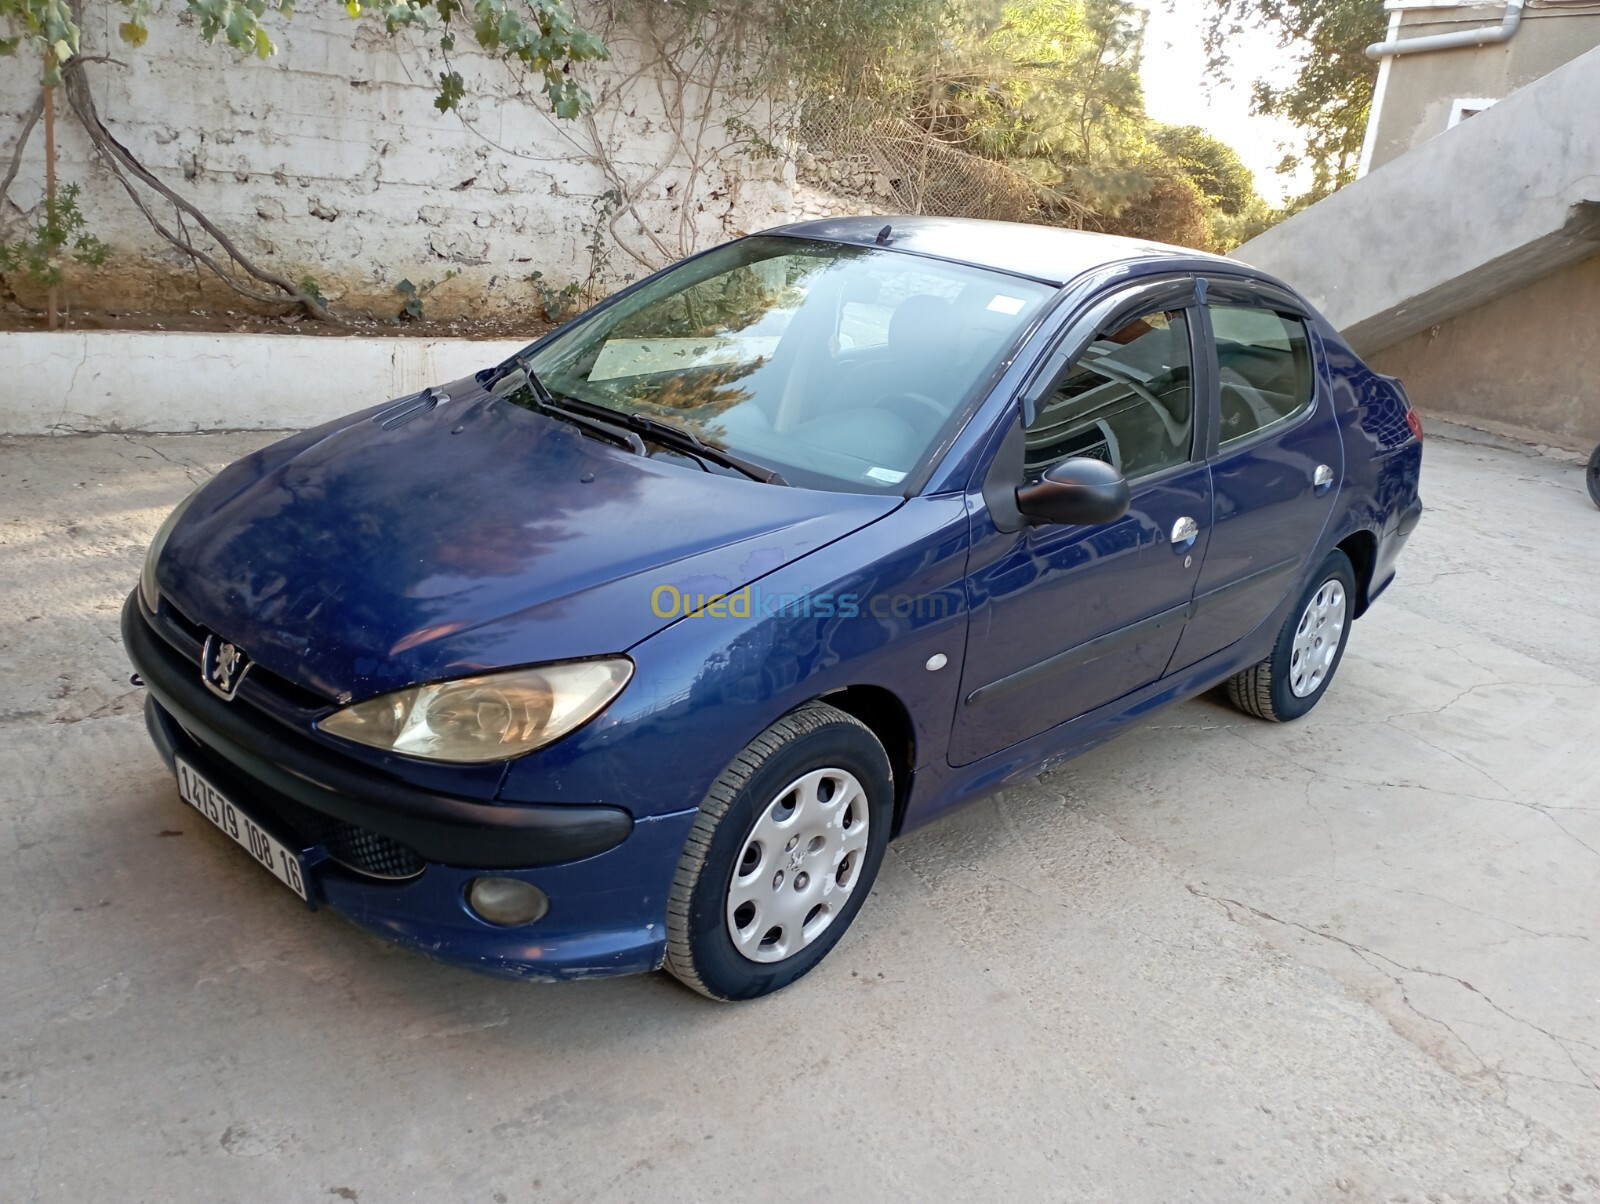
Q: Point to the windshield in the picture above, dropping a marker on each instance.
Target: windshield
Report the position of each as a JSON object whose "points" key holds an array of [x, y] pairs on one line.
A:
{"points": [[838, 366]]}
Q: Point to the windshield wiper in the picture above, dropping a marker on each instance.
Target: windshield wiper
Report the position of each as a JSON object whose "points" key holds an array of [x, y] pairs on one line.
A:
{"points": [[518, 376], [600, 427], [675, 436]]}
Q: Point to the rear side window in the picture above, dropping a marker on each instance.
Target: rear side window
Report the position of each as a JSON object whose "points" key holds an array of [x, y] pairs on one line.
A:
{"points": [[1266, 377]]}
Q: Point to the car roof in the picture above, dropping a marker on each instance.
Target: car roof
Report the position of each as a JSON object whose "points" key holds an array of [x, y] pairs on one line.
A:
{"points": [[1047, 253]]}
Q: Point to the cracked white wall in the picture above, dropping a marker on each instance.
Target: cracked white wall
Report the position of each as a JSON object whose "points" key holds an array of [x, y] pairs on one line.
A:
{"points": [[331, 161]]}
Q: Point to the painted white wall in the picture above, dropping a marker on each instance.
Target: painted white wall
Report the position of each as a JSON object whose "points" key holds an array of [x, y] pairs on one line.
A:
{"points": [[330, 160], [102, 380]]}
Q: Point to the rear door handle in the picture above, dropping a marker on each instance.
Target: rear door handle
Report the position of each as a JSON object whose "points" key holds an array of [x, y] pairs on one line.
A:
{"points": [[1322, 479]]}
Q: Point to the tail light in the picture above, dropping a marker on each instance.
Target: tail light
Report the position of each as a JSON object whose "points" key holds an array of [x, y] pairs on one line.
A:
{"points": [[1415, 423]]}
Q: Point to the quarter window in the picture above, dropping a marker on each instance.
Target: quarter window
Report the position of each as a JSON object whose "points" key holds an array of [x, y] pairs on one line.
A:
{"points": [[1265, 374], [1129, 400]]}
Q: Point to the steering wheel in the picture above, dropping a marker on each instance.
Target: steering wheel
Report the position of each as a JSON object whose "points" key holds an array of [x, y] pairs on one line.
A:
{"points": [[922, 407], [1175, 429]]}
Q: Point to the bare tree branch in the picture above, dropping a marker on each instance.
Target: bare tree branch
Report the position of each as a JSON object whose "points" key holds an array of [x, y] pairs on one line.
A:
{"points": [[28, 122], [124, 163]]}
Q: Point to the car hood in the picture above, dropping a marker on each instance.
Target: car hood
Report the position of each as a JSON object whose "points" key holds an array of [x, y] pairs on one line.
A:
{"points": [[358, 559]]}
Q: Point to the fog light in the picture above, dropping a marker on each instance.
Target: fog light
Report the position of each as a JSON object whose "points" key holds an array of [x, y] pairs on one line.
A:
{"points": [[507, 902]]}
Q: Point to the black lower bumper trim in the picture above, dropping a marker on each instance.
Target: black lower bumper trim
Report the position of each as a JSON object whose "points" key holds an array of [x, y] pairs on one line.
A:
{"points": [[442, 828], [355, 848]]}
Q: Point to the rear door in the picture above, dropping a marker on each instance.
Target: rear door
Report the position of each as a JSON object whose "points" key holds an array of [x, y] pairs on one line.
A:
{"points": [[1276, 464]]}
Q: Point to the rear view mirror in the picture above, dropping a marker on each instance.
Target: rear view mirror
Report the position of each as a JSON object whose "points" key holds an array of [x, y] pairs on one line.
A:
{"points": [[1083, 492]]}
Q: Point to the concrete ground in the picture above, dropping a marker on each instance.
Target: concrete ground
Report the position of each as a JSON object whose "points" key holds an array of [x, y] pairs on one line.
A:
{"points": [[1348, 959]]}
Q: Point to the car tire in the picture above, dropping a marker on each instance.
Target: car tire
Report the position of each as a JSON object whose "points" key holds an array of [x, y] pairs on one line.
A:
{"points": [[1592, 477], [1308, 650], [779, 848]]}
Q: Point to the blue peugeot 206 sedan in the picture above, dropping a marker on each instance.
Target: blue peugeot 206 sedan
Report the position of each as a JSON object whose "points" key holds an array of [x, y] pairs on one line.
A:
{"points": [[637, 649]]}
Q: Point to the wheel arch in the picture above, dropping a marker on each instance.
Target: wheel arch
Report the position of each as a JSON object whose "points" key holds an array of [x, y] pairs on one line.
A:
{"points": [[1362, 549], [889, 720]]}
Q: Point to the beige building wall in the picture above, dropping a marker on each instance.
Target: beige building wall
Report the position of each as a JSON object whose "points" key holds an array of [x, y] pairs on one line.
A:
{"points": [[1418, 92], [1529, 360]]}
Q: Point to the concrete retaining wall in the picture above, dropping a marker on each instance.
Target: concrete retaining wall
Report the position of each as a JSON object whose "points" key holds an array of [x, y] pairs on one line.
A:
{"points": [[1528, 360], [170, 382], [1473, 214]]}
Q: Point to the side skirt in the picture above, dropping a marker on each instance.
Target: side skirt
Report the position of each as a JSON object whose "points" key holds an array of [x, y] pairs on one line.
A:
{"points": [[940, 787]]}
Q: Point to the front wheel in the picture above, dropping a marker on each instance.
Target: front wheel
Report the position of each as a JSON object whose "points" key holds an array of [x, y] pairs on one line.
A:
{"points": [[1593, 476], [781, 856], [1309, 647]]}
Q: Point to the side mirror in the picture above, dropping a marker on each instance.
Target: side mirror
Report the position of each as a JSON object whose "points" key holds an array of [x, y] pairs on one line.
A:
{"points": [[1083, 492]]}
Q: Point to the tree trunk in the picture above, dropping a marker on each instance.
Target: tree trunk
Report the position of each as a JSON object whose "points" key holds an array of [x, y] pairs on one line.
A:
{"points": [[53, 295]]}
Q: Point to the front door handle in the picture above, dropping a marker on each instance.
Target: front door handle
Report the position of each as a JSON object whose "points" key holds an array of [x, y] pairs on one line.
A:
{"points": [[1184, 532]]}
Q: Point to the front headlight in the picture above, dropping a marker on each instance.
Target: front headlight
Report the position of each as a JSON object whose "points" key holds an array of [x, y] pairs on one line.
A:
{"points": [[148, 589], [488, 718]]}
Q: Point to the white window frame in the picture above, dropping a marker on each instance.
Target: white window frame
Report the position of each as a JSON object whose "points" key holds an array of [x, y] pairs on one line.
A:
{"points": [[1468, 106]]}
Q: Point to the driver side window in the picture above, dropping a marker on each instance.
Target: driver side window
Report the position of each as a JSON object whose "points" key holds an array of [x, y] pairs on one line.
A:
{"points": [[1128, 400]]}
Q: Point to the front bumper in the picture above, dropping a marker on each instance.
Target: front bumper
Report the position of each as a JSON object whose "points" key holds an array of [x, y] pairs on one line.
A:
{"points": [[440, 827], [607, 904]]}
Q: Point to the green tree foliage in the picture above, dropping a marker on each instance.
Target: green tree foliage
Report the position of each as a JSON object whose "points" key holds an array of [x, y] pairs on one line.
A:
{"points": [[1331, 93], [1053, 81], [1235, 212], [842, 47], [1052, 89], [1212, 164], [39, 250]]}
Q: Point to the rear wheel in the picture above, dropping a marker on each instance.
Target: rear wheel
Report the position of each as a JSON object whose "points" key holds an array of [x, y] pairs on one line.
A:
{"points": [[1593, 476], [782, 855], [1309, 647]]}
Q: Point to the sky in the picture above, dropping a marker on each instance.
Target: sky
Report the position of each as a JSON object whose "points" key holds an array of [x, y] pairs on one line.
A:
{"points": [[1176, 89]]}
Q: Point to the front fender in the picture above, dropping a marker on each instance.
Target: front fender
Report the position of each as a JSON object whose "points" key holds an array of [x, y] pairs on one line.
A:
{"points": [[873, 608]]}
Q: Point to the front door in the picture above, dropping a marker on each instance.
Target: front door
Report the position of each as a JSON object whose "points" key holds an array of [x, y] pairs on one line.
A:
{"points": [[1277, 467], [1067, 618]]}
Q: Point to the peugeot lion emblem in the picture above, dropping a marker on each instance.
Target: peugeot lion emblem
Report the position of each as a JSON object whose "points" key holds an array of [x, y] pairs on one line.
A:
{"points": [[222, 667]]}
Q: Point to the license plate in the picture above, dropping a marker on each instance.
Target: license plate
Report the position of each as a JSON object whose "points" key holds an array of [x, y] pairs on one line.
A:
{"points": [[214, 805]]}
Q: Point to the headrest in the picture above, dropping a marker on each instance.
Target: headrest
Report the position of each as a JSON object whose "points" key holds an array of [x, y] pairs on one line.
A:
{"points": [[920, 321]]}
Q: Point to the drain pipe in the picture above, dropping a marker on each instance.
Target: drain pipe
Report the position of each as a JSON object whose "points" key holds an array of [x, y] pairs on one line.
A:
{"points": [[1453, 41]]}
